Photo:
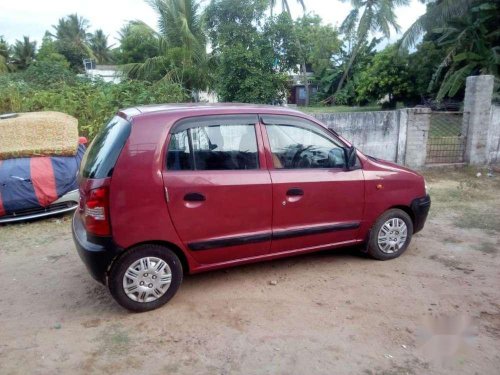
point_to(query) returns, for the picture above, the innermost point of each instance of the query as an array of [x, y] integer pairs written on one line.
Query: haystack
[[38, 134]]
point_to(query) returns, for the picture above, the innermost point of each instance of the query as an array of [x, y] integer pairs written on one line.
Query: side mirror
[[350, 157]]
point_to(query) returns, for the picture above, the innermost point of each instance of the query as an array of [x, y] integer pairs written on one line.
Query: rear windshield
[[101, 156]]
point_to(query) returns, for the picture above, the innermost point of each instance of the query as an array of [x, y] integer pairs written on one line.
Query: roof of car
[[211, 107]]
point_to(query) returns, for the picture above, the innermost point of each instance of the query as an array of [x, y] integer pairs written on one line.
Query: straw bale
[[38, 134]]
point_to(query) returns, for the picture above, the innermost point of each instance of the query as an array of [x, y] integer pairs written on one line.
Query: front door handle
[[194, 197], [295, 192]]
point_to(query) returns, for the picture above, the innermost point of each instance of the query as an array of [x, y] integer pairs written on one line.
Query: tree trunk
[[347, 69], [306, 82]]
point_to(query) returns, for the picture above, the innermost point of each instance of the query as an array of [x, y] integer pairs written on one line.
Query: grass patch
[[479, 219], [452, 240], [456, 195], [452, 264], [488, 248], [459, 188], [339, 109], [115, 340]]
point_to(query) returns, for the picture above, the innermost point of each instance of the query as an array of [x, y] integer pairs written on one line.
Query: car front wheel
[[391, 235], [145, 278]]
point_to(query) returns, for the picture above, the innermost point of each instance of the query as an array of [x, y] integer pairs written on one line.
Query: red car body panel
[[147, 205]]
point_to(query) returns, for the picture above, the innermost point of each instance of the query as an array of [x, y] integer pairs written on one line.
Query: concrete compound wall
[[477, 118], [493, 144], [399, 136], [374, 133]]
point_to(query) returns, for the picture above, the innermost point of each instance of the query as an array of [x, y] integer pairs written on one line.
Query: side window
[[179, 152], [294, 147], [214, 147]]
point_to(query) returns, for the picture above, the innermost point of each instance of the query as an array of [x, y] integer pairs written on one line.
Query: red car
[[173, 189]]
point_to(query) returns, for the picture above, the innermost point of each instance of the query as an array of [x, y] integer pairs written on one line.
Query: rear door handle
[[194, 197], [295, 192]]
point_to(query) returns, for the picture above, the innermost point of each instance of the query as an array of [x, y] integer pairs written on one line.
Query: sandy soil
[[436, 309]]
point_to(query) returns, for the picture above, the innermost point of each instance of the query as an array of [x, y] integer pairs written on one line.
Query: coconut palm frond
[[99, 45], [350, 22], [23, 53], [413, 34], [285, 7], [149, 68], [438, 13]]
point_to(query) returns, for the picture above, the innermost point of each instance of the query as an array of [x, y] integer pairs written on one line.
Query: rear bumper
[[96, 257], [420, 208], [68, 202]]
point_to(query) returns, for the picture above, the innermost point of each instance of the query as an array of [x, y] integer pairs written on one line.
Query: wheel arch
[[171, 246]]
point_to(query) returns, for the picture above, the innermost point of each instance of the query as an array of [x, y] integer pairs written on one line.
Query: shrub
[[55, 88]]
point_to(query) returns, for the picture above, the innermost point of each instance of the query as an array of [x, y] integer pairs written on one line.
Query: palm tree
[[284, 5], [182, 46], [137, 42], [438, 13], [180, 22], [472, 43], [99, 45], [73, 29], [366, 17], [23, 53], [4, 55], [72, 39]]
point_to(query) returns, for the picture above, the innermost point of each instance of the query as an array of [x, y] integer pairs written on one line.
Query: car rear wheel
[[391, 235], [145, 278]]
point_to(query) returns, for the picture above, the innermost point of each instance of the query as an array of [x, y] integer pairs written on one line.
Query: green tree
[[138, 42], [181, 47], [48, 52], [246, 76], [466, 31], [437, 14], [331, 76], [23, 53], [368, 17], [73, 28], [422, 66], [4, 55], [280, 31], [472, 43], [285, 7], [317, 43], [247, 68], [99, 45], [387, 76], [72, 38]]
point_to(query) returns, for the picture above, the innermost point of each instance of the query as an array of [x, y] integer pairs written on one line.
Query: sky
[[34, 17]]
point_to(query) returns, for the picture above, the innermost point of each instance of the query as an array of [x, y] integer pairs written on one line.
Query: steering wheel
[[297, 158]]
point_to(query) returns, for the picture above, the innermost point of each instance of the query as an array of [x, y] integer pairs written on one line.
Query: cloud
[[34, 17]]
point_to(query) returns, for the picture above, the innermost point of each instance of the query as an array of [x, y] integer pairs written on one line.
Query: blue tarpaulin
[[29, 183]]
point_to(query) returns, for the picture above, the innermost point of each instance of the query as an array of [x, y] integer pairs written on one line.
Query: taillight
[[96, 211]]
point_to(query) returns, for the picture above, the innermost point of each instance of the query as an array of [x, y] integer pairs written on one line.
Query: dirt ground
[[434, 310]]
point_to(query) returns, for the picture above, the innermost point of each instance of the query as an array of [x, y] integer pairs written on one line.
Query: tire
[[147, 280], [390, 249]]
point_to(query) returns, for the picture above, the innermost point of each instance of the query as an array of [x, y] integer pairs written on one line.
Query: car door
[[219, 189], [316, 201]]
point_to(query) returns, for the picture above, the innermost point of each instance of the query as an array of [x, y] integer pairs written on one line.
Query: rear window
[[101, 156]]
